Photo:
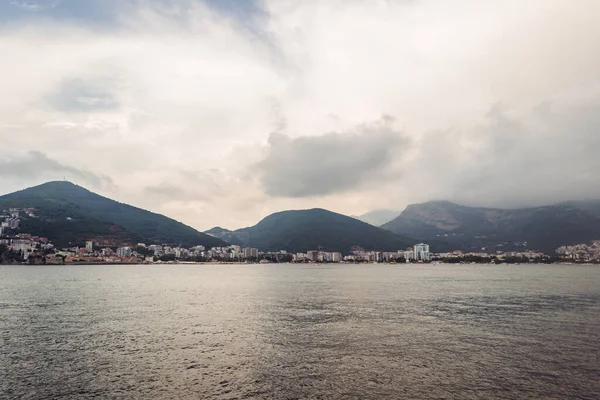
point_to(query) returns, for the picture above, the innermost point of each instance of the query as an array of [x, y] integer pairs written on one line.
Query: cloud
[[36, 165], [36, 5], [541, 155], [330, 163], [80, 95], [494, 102]]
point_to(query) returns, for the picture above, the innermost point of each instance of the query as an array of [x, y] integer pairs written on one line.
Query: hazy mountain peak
[[473, 228], [378, 217]]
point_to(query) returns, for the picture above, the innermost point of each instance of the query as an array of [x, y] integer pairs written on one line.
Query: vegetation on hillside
[[69, 214], [473, 228], [302, 230]]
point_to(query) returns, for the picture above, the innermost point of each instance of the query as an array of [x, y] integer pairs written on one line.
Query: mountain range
[[69, 215], [476, 228], [302, 230]]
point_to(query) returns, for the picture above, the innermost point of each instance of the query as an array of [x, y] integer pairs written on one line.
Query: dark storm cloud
[[331, 163], [36, 165]]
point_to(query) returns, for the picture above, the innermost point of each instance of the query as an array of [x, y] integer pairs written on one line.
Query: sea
[[284, 331]]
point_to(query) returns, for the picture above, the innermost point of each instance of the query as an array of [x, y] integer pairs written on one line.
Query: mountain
[[590, 206], [473, 228], [232, 237], [302, 230], [68, 214], [378, 217]]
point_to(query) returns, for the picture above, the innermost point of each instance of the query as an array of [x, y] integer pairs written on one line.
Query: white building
[[89, 246], [23, 245], [300, 257], [180, 252], [124, 252], [158, 250], [421, 252], [336, 257], [250, 252]]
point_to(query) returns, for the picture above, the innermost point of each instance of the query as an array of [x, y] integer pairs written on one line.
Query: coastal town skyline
[[26, 247]]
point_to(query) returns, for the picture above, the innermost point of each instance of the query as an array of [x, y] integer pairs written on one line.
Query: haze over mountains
[[475, 228], [378, 217]]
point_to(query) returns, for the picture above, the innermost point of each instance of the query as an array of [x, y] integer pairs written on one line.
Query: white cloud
[[189, 89], [36, 5]]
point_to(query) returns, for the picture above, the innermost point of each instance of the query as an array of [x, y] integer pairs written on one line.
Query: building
[[89, 246], [250, 253], [336, 257], [12, 223], [158, 250], [421, 252], [300, 257], [312, 255], [124, 252]]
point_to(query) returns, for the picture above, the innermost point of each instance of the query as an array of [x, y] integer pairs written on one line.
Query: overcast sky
[[221, 112]]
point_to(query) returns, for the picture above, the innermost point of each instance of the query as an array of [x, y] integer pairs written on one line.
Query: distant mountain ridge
[[231, 237], [68, 214], [473, 228], [378, 217], [302, 230]]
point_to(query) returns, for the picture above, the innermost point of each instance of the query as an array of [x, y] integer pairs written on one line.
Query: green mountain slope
[[302, 230], [473, 228], [69, 214]]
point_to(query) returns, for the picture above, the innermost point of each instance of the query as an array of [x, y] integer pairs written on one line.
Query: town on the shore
[[19, 247]]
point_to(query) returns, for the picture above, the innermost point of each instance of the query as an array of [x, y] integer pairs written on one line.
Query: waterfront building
[[250, 252], [312, 255], [124, 252], [421, 252], [336, 257]]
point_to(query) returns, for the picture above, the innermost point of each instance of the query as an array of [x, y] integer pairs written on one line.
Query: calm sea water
[[300, 332]]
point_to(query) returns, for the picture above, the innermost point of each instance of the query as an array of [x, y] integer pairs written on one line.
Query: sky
[[221, 112]]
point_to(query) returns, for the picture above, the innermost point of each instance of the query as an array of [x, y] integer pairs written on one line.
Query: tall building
[[250, 253], [124, 252], [336, 257], [89, 246], [421, 252]]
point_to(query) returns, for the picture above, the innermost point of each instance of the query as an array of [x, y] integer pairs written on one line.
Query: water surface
[[300, 332]]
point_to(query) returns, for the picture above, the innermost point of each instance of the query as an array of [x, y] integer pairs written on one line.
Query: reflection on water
[[296, 332]]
